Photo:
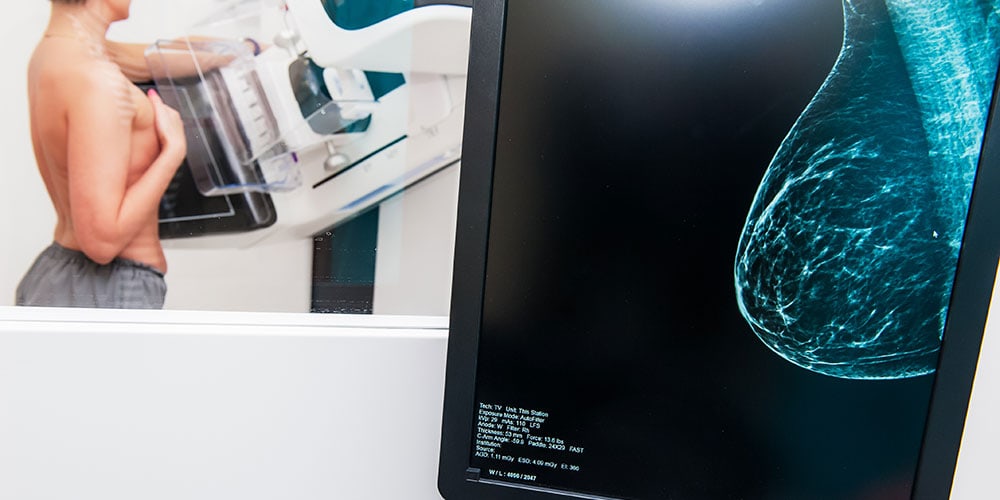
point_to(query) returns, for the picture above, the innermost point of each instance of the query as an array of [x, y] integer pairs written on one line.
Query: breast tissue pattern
[[846, 262]]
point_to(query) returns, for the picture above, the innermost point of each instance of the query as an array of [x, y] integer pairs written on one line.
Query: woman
[[106, 153]]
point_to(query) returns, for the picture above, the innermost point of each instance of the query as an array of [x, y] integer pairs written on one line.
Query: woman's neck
[[86, 21]]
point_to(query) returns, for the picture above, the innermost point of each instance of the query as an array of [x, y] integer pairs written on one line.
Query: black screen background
[[632, 136]]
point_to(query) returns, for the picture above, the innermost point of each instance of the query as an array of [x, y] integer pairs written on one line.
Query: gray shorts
[[63, 277]]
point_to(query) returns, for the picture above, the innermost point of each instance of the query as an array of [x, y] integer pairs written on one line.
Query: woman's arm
[[131, 58], [107, 212]]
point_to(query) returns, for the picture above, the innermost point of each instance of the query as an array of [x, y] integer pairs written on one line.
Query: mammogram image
[[847, 258]]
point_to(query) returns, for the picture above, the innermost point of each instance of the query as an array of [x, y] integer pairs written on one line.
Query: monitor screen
[[709, 248]]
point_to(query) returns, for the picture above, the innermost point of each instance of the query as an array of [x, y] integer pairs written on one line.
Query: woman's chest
[[145, 144], [144, 118]]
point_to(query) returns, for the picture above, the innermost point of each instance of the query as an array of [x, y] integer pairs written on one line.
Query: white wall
[[978, 461], [27, 217]]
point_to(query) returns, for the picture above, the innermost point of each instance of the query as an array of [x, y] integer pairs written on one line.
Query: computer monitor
[[721, 248]]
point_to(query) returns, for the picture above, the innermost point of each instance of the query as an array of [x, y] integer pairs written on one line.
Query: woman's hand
[[169, 129]]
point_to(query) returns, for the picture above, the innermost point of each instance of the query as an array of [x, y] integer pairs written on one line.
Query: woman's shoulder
[[72, 66]]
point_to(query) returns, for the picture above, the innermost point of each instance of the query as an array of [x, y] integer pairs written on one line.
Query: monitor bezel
[[474, 200], [966, 321]]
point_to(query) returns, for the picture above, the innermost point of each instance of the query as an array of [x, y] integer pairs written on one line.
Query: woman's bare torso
[[50, 93]]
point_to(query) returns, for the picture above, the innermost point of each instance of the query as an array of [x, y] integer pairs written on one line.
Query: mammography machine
[[301, 114]]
